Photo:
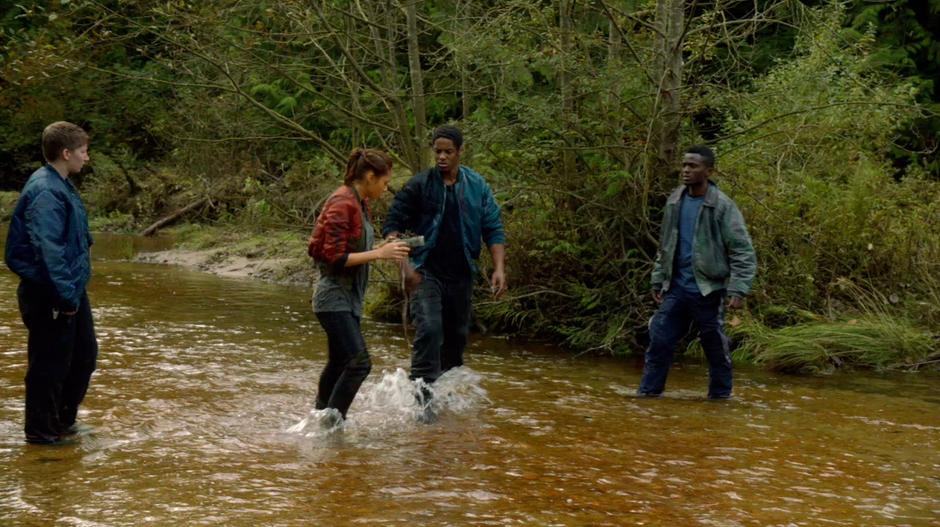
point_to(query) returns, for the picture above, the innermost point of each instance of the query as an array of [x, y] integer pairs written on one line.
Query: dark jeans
[[441, 311], [679, 310], [61, 354], [348, 363]]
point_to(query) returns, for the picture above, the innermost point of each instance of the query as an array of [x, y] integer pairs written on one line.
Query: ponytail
[[362, 160]]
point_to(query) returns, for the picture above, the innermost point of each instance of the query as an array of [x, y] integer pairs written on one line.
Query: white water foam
[[394, 401]]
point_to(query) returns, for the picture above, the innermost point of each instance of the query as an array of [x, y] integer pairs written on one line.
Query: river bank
[[273, 256], [222, 262], [874, 338]]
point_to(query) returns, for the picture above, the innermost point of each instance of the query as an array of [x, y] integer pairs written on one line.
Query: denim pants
[[441, 311], [676, 315], [62, 353], [348, 363]]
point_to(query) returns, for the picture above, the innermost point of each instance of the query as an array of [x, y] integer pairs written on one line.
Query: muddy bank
[[221, 262]]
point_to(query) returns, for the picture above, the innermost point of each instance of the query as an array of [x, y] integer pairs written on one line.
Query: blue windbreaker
[[419, 207], [48, 241]]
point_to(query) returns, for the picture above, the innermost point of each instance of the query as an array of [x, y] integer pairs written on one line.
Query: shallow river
[[199, 414]]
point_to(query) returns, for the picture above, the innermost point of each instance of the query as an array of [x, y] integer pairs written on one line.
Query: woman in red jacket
[[341, 245]]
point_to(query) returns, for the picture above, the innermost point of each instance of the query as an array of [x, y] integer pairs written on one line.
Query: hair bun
[[362, 159]]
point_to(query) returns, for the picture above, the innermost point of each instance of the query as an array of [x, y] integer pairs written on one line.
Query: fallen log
[[166, 220]]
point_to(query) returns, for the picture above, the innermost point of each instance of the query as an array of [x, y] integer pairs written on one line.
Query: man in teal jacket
[[705, 255], [453, 208], [48, 248]]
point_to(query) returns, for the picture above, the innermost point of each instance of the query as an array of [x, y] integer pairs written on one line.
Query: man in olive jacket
[[48, 248], [705, 255]]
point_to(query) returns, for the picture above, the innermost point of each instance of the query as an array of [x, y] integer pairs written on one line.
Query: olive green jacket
[[722, 254]]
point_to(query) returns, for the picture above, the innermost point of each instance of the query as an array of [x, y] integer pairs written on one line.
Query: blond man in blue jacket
[[48, 248]]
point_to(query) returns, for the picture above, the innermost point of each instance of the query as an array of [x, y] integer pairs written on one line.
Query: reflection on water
[[200, 414]]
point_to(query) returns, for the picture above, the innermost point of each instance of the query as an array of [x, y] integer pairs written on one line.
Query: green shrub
[[7, 204]]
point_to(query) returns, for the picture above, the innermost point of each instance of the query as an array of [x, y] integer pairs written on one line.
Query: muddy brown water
[[200, 414]]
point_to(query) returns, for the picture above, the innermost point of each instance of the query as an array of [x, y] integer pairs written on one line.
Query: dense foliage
[[824, 120]]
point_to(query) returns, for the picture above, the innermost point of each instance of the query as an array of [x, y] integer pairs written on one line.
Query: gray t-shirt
[[345, 291]]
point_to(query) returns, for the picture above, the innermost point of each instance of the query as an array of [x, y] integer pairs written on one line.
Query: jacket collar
[[711, 195], [351, 191], [355, 193], [56, 176], [53, 172], [461, 174]]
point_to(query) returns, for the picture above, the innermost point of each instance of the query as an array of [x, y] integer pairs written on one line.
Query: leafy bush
[[808, 165]]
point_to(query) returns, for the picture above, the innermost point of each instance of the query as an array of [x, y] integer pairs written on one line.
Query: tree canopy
[[824, 117]]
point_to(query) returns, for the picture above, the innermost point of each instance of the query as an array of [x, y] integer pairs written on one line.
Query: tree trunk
[[463, 11], [133, 188], [356, 132], [666, 118], [417, 84], [611, 110], [411, 152], [613, 43], [166, 220], [564, 86]]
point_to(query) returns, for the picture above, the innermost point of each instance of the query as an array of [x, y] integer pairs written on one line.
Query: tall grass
[[877, 343], [928, 283], [876, 338]]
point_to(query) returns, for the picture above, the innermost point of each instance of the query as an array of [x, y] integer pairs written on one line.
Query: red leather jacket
[[338, 231]]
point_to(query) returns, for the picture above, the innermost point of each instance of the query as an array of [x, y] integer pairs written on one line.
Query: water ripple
[[200, 414]]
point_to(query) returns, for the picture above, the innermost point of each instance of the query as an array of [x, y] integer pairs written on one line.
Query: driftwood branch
[[166, 220]]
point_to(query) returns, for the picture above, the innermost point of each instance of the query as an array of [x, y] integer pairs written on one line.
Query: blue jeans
[[676, 315], [441, 312], [348, 363]]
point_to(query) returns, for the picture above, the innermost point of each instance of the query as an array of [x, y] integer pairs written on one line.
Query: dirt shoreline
[[289, 271]]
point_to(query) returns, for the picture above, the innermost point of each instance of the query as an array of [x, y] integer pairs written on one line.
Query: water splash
[[395, 401], [318, 423], [458, 391]]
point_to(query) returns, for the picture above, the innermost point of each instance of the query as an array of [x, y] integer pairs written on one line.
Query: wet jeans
[[348, 363], [441, 311], [62, 352], [676, 315]]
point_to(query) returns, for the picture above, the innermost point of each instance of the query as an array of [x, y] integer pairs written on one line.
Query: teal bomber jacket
[[723, 256]]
